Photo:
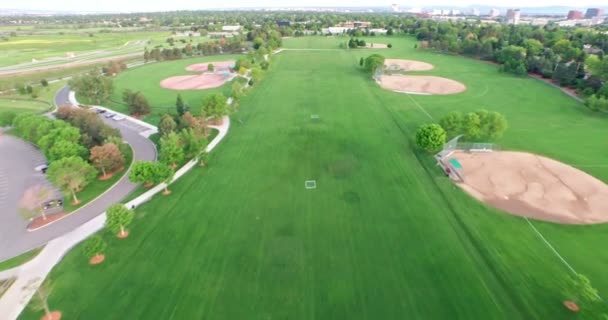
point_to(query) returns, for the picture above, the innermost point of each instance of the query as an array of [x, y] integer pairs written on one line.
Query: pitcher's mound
[[407, 65], [421, 84], [532, 186]]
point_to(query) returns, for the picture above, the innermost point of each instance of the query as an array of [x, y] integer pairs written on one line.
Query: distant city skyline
[[158, 5]]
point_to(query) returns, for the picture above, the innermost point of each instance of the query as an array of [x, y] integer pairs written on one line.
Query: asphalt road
[[19, 240]]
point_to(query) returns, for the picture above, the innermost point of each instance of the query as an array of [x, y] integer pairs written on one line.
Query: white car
[[42, 168], [118, 117], [109, 115]]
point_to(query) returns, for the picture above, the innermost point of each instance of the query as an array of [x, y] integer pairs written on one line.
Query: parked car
[[53, 204], [42, 168], [109, 115], [118, 117]]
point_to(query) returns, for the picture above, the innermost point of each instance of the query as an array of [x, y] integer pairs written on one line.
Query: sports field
[[23, 48], [147, 80], [383, 236]]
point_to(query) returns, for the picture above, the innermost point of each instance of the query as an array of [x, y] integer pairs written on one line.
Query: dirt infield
[[421, 84], [219, 66], [407, 65], [198, 82], [206, 80], [376, 46], [533, 186]]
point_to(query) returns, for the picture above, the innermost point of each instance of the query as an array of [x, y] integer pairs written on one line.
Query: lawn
[[24, 48], [383, 236], [19, 260], [23, 105], [147, 80]]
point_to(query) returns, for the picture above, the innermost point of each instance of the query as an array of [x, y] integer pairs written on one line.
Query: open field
[[147, 79], [383, 236], [22, 49], [14, 102]]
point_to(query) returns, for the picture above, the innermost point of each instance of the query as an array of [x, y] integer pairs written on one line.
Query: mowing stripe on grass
[[550, 246], [419, 106]]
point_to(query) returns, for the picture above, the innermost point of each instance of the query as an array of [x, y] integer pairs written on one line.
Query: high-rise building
[[513, 16], [594, 12], [494, 13], [575, 15]]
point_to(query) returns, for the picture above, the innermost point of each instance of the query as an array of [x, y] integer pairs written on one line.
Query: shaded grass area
[[384, 236], [96, 187], [19, 260], [23, 105]]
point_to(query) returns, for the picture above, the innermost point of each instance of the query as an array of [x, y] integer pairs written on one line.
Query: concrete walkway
[[31, 274]]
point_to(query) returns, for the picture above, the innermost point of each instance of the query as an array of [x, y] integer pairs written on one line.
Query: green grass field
[[24, 48], [384, 235], [147, 80]]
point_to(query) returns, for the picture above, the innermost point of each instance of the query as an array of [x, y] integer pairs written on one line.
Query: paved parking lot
[[17, 174]]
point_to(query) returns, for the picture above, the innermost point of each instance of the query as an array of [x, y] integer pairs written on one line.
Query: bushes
[[596, 103], [373, 62], [475, 126], [430, 137]]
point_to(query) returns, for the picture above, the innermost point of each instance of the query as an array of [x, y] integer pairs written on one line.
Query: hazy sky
[[161, 5]]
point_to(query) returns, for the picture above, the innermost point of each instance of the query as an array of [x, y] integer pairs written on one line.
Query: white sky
[[164, 5]]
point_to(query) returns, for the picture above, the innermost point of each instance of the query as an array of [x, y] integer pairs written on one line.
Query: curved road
[[22, 241]]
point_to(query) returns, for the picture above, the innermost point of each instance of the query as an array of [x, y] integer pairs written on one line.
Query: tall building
[[513, 16], [494, 13], [575, 15], [594, 12]]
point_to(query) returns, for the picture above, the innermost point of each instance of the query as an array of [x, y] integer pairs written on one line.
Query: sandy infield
[[206, 80], [407, 65], [533, 186], [421, 84], [376, 46], [219, 66]]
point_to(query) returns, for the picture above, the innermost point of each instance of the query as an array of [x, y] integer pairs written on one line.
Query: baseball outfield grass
[[383, 236], [147, 80]]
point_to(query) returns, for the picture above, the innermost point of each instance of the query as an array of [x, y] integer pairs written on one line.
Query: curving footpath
[[30, 275]]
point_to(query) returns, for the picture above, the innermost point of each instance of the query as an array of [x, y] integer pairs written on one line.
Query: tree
[[64, 134], [471, 125], [361, 62], [180, 106], [203, 158], [192, 143], [164, 173], [258, 43], [136, 102], [373, 62], [118, 217], [430, 137], [210, 67], [452, 124], [32, 202], [198, 124], [107, 158], [146, 55], [71, 174], [94, 247], [142, 172], [44, 83], [166, 125], [40, 301], [95, 87], [578, 289], [215, 106], [65, 149], [7, 118], [93, 130], [171, 152]]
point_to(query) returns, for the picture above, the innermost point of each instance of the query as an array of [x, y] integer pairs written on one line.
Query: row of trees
[[571, 57], [67, 146], [95, 87], [479, 126], [231, 45]]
